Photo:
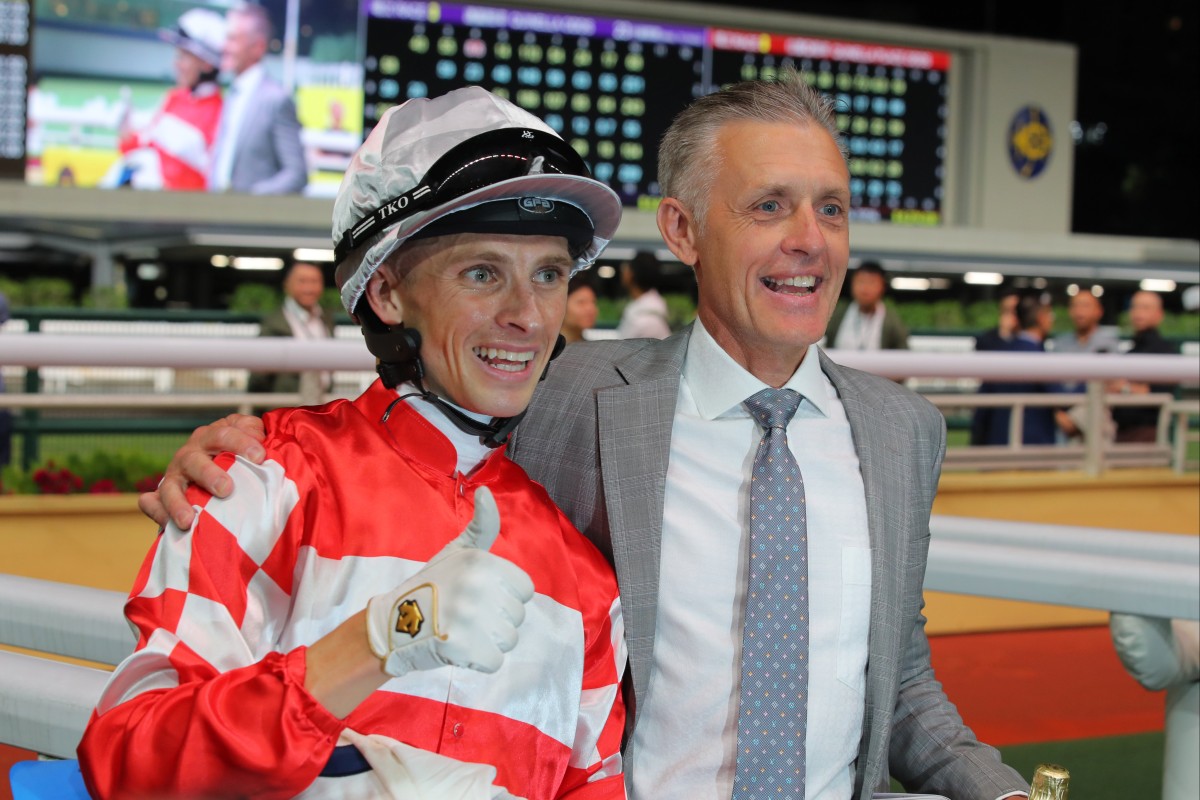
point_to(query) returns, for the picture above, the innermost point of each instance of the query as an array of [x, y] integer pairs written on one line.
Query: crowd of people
[[1025, 324]]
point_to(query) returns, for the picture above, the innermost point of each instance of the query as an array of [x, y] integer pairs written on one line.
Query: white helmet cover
[[399, 152]]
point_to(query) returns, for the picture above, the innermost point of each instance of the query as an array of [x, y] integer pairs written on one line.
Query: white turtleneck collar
[[471, 451]]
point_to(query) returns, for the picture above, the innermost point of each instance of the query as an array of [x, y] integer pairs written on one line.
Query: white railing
[[47, 702], [1134, 572], [87, 377], [1092, 454], [286, 354], [348, 356]]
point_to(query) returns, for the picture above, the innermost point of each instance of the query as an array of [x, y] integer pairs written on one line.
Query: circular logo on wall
[[1030, 141]]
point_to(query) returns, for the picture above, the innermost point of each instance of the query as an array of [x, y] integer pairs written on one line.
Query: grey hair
[[260, 20], [687, 156]]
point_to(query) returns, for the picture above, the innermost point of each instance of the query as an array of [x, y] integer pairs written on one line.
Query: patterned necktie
[[773, 707]]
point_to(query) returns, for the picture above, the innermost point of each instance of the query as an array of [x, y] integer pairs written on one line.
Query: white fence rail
[[45, 704], [347, 357]]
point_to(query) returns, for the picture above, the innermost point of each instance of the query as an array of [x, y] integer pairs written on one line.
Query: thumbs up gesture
[[462, 608]]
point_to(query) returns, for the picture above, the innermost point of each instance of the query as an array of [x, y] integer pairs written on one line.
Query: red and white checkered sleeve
[[595, 770], [204, 704]]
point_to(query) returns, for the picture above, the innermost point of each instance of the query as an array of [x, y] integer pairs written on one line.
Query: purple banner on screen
[[538, 22]]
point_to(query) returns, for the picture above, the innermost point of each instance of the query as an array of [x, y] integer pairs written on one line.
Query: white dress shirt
[[684, 745], [644, 317], [307, 324], [860, 331], [233, 112]]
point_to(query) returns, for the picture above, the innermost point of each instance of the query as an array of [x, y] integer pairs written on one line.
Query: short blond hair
[[687, 156]]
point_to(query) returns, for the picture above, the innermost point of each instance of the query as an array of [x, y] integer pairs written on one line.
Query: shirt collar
[[719, 384], [423, 433], [248, 79], [470, 451], [300, 311]]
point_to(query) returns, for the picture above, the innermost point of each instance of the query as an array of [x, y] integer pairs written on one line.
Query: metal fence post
[[30, 444], [1094, 437]]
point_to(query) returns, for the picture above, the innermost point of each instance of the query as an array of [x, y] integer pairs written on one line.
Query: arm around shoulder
[[193, 464]]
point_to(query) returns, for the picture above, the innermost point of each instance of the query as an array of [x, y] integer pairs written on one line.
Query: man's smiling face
[[772, 252]]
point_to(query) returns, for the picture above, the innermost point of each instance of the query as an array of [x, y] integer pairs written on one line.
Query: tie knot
[[773, 408]]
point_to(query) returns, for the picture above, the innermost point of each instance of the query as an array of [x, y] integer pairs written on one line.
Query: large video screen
[[102, 76], [609, 85]]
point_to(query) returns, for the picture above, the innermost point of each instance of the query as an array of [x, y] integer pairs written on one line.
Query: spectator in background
[[1086, 312], [6, 417], [173, 151], [1140, 423], [645, 315], [1035, 319], [258, 148], [300, 316], [581, 308], [999, 337], [867, 323]]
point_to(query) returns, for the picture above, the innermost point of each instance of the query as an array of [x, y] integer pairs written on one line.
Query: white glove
[[463, 608], [413, 774]]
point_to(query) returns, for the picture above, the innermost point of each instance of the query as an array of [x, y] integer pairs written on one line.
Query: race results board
[[612, 86]]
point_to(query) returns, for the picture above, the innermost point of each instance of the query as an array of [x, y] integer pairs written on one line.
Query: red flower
[[104, 486], [149, 483], [57, 481]]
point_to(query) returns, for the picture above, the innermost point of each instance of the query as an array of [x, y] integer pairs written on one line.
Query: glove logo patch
[[409, 618]]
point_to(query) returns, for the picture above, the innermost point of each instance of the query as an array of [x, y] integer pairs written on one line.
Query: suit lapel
[[634, 426], [887, 489]]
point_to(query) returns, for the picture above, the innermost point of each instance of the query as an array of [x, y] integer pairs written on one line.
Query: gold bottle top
[[1049, 783]]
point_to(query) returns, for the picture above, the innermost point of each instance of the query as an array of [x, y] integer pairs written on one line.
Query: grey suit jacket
[[269, 156], [598, 435]]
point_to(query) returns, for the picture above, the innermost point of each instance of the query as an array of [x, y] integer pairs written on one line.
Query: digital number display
[[891, 105], [15, 23], [612, 86], [609, 87]]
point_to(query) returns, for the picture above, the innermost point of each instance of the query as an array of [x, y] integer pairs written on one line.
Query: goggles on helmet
[[480, 161]]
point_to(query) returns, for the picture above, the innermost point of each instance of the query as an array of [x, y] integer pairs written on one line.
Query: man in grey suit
[[647, 447], [258, 148]]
